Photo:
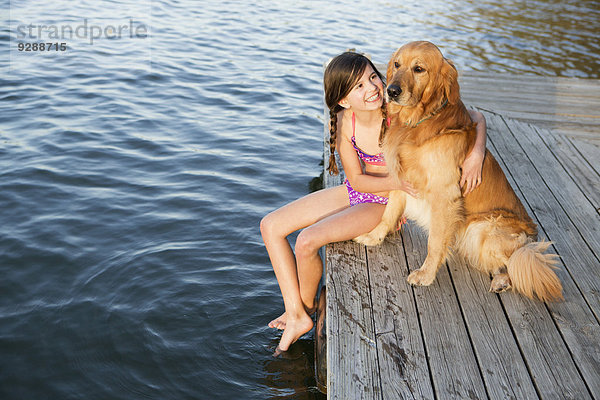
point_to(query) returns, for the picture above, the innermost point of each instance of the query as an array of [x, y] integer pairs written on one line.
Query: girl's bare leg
[[299, 214], [327, 223], [343, 225]]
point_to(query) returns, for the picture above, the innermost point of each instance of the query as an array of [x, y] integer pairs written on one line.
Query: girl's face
[[367, 94]]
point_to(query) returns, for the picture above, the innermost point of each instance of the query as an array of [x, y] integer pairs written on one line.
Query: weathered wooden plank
[[558, 124], [553, 104], [579, 170], [573, 116], [548, 121], [589, 86], [590, 150], [554, 372], [453, 366], [563, 105], [555, 368], [352, 366], [587, 132], [557, 92], [553, 99], [568, 198], [502, 366], [402, 359]]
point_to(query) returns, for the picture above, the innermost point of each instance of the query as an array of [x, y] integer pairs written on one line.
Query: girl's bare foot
[[279, 322], [294, 329]]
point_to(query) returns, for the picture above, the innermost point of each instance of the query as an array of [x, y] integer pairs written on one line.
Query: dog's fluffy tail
[[531, 272]]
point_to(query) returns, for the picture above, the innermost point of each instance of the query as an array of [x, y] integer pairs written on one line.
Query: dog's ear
[[390, 68], [435, 91], [450, 79]]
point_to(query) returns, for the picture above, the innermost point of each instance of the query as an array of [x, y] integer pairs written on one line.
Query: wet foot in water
[[294, 329]]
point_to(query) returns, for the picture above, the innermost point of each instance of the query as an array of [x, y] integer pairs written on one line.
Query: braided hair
[[384, 123], [341, 75]]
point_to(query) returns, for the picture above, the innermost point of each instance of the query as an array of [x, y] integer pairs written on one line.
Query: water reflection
[[292, 374], [544, 37]]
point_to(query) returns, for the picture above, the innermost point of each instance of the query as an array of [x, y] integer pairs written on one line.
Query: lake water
[[137, 163]]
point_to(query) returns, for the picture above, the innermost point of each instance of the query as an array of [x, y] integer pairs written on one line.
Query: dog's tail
[[531, 272]]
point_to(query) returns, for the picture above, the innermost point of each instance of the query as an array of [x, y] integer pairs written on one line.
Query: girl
[[354, 96]]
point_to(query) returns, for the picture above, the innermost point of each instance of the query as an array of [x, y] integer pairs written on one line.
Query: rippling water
[[135, 171]]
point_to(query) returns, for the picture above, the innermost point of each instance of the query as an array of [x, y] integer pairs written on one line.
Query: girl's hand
[[471, 171], [471, 168], [407, 187]]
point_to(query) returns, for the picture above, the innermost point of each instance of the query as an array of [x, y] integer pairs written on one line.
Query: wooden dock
[[388, 340]]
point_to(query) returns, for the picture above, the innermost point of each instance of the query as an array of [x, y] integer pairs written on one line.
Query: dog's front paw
[[369, 239], [421, 277], [373, 238]]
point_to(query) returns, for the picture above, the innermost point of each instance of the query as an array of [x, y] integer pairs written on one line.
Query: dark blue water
[[135, 171]]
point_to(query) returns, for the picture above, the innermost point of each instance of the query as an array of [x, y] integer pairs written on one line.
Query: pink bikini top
[[367, 158]]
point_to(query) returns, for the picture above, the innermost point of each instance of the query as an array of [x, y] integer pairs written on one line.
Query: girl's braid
[[332, 168], [384, 123]]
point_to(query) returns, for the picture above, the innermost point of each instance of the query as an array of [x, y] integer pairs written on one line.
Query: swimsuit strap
[[376, 159]]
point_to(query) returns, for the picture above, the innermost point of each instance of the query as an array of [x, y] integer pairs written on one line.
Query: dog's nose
[[394, 91]]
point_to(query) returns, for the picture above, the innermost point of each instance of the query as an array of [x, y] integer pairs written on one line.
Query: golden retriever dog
[[429, 136]]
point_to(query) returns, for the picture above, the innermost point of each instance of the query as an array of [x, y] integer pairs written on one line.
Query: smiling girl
[[354, 93]]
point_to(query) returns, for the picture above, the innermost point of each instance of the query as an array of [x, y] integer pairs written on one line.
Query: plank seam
[[416, 303], [462, 314], [331, 287], [537, 131], [567, 170], [582, 156], [373, 324], [512, 329]]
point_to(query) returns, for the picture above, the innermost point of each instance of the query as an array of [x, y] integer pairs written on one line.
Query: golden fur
[[431, 133]]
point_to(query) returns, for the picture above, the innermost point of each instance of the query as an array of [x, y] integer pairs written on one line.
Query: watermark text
[[85, 30]]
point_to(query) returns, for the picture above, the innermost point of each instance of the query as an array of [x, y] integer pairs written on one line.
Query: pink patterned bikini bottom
[[359, 197]]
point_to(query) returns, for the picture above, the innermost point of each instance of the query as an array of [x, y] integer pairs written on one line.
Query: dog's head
[[418, 74]]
